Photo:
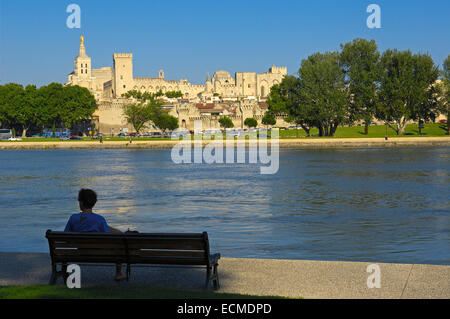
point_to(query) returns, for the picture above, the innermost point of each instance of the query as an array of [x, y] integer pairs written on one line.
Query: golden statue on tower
[[82, 40]]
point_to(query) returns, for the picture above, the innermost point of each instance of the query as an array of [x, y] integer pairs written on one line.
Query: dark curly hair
[[87, 197]]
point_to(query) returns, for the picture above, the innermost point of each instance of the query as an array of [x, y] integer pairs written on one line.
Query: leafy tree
[[137, 114], [321, 94], [251, 122], [12, 99], [164, 121], [284, 100], [360, 61], [444, 106], [143, 96], [49, 100], [425, 102], [226, 122], [268, 119], [174, 94], [407, 90], [78, 105]]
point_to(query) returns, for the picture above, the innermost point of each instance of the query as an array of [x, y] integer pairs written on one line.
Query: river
[[367, 204]]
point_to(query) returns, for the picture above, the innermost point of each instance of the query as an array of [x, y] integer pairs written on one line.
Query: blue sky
[[187, 39]]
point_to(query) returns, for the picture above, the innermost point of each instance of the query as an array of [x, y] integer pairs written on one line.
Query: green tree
[[137, 114], [407, 90], [174, 94], [284, 100], [226, 122], [268, 119], [78, 105], [321, 95], [12, 98], [165, 121], [425, 102], [18, 106], [251, 122], [49, 99], [144, 96], [361, 63], [444, 106]]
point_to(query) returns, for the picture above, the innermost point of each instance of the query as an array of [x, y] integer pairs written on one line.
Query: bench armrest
[[214, 259]]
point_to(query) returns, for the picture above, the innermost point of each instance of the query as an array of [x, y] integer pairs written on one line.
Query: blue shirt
[[87, 222]]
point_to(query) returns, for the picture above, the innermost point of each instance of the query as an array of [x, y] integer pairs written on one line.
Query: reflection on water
[[385, 205]]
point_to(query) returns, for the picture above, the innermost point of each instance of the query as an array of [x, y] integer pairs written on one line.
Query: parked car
[[121, 134], [75, 137], [443, 121], [5, 134], [14, 139]]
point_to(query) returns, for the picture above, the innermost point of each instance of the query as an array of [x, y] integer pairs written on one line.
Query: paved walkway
[[272, 277]]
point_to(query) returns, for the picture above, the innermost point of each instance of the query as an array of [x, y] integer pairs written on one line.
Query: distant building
[[238, 97]]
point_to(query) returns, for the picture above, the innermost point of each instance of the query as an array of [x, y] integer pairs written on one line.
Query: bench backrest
[[133, 248]]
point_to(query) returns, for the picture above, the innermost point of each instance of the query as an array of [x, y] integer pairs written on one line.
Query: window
[[81, 70], [124, 86], [121, 77], [249, 85]]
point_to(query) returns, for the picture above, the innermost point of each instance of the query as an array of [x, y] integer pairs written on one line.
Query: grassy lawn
[[432, 129], [130, 292]]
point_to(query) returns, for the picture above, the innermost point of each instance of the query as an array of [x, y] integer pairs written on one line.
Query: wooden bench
[[191, 250]]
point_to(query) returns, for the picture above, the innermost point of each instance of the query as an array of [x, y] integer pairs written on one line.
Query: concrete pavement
[[271, 277]]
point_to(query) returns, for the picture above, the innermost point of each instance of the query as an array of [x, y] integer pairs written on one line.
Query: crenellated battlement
[[123, 55]]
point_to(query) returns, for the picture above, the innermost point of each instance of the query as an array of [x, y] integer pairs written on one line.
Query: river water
[[375, 204]]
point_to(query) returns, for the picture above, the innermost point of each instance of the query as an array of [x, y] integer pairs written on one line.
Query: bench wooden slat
[[94, 252], [185, 253], [91, 244], [187, 244], [167, 261], [89, 259]]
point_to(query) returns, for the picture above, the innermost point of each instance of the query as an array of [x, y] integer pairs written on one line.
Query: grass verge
[[130, 292]]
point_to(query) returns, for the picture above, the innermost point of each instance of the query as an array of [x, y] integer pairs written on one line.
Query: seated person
[[87, 221]]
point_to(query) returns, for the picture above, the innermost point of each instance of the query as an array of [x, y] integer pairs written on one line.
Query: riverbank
[[283, 143], [262, 277]]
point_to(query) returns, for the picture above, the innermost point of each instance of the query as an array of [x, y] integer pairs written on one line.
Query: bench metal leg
[[208, 277], [54, 275], [216, 282], [128, 271], [214, 277]]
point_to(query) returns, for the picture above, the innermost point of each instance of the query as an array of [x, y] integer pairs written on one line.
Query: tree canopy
[[360, 61], [406, 90], [357, 84], [226, 122], [251, 122], [50, 105]]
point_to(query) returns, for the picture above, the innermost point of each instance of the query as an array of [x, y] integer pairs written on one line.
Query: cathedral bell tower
[[82, 62]]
